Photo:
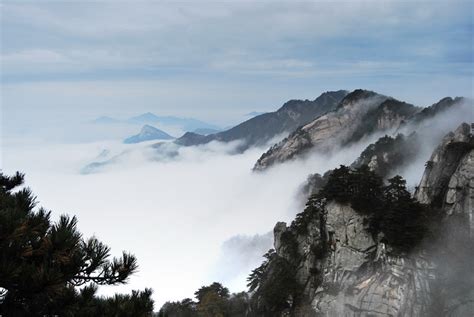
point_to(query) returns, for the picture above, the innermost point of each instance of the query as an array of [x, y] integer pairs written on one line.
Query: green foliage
[[138, 303], [274, 285], [215, 287], [404, 222], [184, 308], [337, 187], [212, 301], [314, 207], [390, 209], [41, 262]]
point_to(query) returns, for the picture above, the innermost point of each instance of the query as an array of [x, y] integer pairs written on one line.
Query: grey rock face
[[359, 113], [443, 163], [351, 121], [392, 286], [359, 275]]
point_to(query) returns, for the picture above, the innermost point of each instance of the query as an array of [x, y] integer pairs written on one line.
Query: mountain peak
[[260, 129], [357, 95], [149, 128], [148, 133]]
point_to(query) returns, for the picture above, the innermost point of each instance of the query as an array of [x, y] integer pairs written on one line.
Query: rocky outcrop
[[358, 275], [346, 125], [344, 269], [436, 108], [440, 169], [448, 186], [359, 114]]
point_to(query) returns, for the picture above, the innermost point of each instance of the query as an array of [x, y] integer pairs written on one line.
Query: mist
[[191, 215], [181, 217], [173, 215], [430, 132]]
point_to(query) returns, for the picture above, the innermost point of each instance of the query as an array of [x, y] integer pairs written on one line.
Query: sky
[[215, 61], [65, 63]]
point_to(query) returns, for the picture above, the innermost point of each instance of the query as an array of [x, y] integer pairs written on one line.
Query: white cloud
[[176, 214], [173, 215]]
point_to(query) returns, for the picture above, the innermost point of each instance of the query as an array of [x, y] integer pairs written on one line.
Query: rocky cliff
[[360, 113], [342, 266]]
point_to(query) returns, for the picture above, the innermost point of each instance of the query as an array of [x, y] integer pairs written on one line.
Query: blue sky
[[218, 60]]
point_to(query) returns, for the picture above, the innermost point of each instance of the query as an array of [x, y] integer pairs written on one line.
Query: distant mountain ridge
[[262, 128], [206, 131], [105, 120], [186, 124], [148, 133]]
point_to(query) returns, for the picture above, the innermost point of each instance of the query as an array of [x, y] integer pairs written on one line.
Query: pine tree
[[41, 262]]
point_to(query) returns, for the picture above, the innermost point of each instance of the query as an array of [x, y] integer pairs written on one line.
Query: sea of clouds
[[199, 217], [196, 216]]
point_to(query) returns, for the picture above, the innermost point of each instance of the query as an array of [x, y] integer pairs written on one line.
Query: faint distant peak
[[148, 133], [253, 114], [105, 120], [147, 117]]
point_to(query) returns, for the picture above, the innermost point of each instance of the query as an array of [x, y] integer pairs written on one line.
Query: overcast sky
[[64, 62], [215, 61]]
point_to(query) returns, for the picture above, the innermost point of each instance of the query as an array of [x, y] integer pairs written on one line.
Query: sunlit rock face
[[346, 271], [357, 276], [359, 114]]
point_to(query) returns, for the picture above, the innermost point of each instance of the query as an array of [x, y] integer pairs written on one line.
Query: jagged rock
[[433, 110], [442, 164], [359, 113], [356, 277], [459, 196], [344, 270], [348, 124]]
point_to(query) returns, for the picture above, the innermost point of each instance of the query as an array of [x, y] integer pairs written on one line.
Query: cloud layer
[[219, 60]]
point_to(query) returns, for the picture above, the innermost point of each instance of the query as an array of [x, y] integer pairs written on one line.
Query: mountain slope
[[262, 128], [148, 133], [385, 157], [206, 131], [340, 257], [361, 113]]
